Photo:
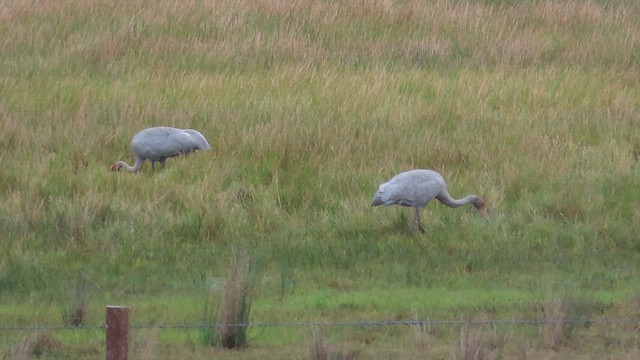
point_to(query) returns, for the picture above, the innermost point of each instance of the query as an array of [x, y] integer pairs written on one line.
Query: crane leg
[[417, 220]]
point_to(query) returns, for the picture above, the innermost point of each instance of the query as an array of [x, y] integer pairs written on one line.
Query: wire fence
[[363, 324]]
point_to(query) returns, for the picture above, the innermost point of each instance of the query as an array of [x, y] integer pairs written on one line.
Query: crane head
[[480, 205], [115, 167]]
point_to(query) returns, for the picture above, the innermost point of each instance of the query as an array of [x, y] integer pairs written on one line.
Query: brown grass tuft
[[421, 337], [320, 349], [233, 313], [479, 342], [565, 318], [43, 344], [148, 347]]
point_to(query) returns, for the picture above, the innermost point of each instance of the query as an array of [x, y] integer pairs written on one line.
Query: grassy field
[[309, 106]]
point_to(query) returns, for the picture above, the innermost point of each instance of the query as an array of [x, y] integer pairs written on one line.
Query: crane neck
[[135, 168], [446, 199]]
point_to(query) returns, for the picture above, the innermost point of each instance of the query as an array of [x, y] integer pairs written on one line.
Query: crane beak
[[377, 201], [485, 214]]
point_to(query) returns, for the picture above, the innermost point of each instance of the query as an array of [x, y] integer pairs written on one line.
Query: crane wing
[[412, 188], [162, 142]]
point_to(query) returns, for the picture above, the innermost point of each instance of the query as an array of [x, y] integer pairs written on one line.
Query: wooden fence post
[[117, 333]]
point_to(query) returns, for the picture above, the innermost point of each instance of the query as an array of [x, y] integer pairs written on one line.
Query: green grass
[[309, 106]]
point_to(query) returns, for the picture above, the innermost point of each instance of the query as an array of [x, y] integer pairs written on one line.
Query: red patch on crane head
[[115, 167], [481, 206]]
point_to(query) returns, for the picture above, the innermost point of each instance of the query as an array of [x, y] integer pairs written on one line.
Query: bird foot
[[412, 230]]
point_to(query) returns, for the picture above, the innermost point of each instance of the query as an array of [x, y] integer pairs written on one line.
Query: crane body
[[156, 144], [415, 188]]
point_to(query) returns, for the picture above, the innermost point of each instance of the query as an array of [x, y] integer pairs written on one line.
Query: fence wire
[[363, 324]]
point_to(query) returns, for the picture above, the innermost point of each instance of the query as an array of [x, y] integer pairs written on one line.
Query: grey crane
[[156, 144], [415, 188]]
